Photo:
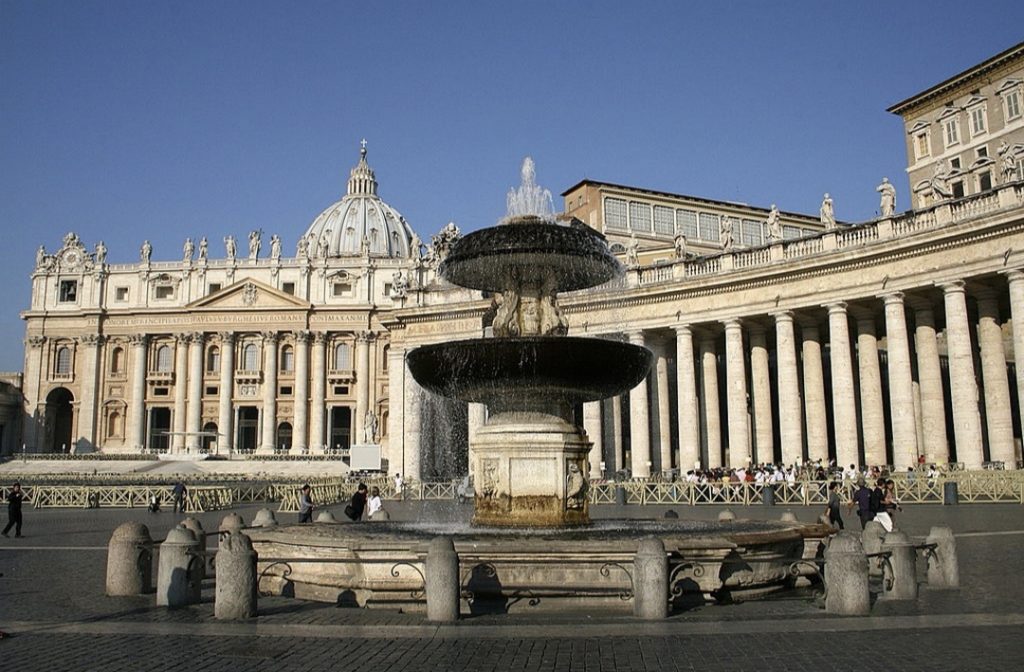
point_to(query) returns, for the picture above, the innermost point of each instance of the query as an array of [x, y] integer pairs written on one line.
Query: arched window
[[250, 355], [63, 367], [287, 359], [163, 358], [117, 360], [342, 357], [385, 351], [115, 425], [213, 358]]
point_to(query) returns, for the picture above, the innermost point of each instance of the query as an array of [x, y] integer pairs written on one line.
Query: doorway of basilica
[[248, 428], [341, 428], [59, 420]]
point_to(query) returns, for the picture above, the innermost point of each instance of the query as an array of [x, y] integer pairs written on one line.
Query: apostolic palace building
[[778, 337]]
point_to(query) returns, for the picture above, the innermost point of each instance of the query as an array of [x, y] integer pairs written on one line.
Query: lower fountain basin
[[532, 368]]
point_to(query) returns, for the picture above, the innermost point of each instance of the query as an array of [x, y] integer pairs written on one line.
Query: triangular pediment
[[919, 126], [249, 294]]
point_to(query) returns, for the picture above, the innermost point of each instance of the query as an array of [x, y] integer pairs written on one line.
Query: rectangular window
[[751, 233], [687, 220], [709, 227], [161, 391], [639, 217], [288, 288], [985, 181], [164, 292], [214, 287], [664, 221], [790, 232], [977, 120], [340, 390], [211, 390], [982, 151], [955, 163], [1012, 105], [958, 189], [341, 289], [952, 132], [615, 214], [68, 291], [285, 391], [120, 294], [921, 149]]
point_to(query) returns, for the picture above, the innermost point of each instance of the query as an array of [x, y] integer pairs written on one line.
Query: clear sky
[[126, 120]]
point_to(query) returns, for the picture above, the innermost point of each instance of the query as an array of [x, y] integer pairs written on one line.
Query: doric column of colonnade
[[688, 412], [617, 440], [790, 405], [664, 410], [639, 422], [935, 447], [592, 426], [998, 417], [844, 407], [300, 430], [760, 379], [1015, 280], [901, 384], [966, 417], [736, 395], [712, 415], [872, 406], [814, 392]]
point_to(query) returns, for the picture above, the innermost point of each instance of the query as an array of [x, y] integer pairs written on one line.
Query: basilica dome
[[360, 220]]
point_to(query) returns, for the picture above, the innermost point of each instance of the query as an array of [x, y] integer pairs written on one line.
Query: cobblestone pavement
[[52, 605]]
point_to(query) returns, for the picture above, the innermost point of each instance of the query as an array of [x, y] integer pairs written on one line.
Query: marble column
[[964, 387], [998, 416], [712, 416], [269, 413], [317, 408], [844, 405], [413, 418], [194, 422], [137, 411], [88, 394], [393, 451], [934, 445], [300, 423], [363, 401], [791, 431], [664, 409], [688, 412], [617, 440], [180, 392], [901, 384], [814, 394], [872, 406], [761, 384], [225, 407], [476, 419], [592, 426], [639, 422], [736, 395], [1015, 281]]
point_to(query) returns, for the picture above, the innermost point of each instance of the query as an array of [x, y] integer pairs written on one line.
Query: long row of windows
[[638, 217], [977, 120]]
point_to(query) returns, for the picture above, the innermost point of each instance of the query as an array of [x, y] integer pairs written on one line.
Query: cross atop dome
[[361, 179], [362, 145]]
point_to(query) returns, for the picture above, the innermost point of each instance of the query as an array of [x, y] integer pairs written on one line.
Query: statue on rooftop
[[101, 253], [725, 233], [275, 247], [679, 242], [230, 247], [887, 206], [146, 252], [203, 249], [827, 213], [772, 225], [254, 244], [188, 250]]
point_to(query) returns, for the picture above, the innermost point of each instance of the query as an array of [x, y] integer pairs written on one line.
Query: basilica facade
[[778, 337]]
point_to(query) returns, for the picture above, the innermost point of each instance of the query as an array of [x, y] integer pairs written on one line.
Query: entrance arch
[[209, 439], [59, 420], [284, 437], [341, 428]]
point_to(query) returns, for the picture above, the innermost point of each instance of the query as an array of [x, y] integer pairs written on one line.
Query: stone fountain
[[530, 458]]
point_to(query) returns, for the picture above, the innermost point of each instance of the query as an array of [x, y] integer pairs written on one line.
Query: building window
[[384, 353], [341, 289], [214, 287], [791, 232], [161, 391], [68, 291], [982, 151], [63, 364], [978, 125], [250, 357], [342, 357], [213, 358], [985, 181], [115, 425], [952, 131], [117, 361], [120, 294], [288, 288], [639, 217], [340, 390], [921, 148], [615, 214], [664, 221], [163, 292], [163, 358], [751, 233], [211, 390], [708, 227], [287, 359], [285, 391], [958, 189], [1012, 104], [687, 223]]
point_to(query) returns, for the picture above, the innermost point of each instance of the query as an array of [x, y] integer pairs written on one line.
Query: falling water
[[529, 198]]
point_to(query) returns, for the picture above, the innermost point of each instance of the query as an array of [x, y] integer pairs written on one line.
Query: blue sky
[[161, 120]]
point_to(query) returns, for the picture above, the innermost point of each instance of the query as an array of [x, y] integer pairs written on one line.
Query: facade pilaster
[[34, 375], [712, 414], [300, 429], [413, 419], [639, 422], [592, 426], [194, 421], [760, 377], [872, 406], [393, 451], [998, 416], [814, 393], [363, 401], [664, 409], [791, 432], [318, 395], [89, 392], [225, 407], [736, 396], [901, 384], [137, 411], [964, 386], [180, 392], [688, 412], [269, 412]]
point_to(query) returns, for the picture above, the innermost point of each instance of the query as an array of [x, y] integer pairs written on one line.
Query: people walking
[[354, 510], [180, 492], [374, 504], [14, 499], [833, 510], [305, 504], [862, 500]]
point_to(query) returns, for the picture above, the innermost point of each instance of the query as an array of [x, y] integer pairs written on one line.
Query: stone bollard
[[177, 581], [726, 516], [650, 580], [620, 496], [903, 560], [789, 517], [872, 537], [442, 581], [204, 567], [130, 560], [264, 518], [943, 567], [326, 517], [846, 576], [231, 523], [236, 578]]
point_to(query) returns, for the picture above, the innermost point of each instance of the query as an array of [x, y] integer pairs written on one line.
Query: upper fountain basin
[[533, 368], [532, 250]]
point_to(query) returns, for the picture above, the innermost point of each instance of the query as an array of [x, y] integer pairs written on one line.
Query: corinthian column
[[300, 431], [317, 409], [712, 415], [790, 407], [901, 384], [639, 422], [929, 374], [90, 382], [814, 394], [137, 411], [413, 417], [225, 408], [686, 398], [195, 392], [363, 401], [964, 386], [736, 395], [872, 408], [760, 376], [664, 409], [1015, 280], [396, 409], [996, 384], [269, 393], [180, 392], [617, 440]]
